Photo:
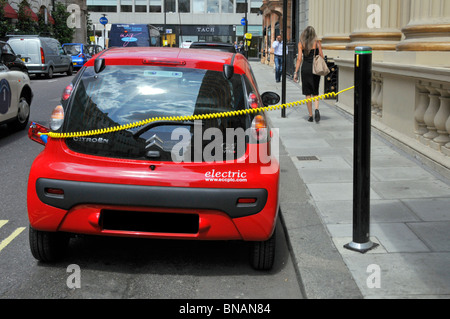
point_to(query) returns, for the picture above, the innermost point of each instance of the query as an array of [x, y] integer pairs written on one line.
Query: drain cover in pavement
[[307, 158]]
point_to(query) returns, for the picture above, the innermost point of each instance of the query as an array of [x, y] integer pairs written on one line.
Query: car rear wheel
[[47, 246], [50, 73], [262, 253], [23, 115], [70, 70]]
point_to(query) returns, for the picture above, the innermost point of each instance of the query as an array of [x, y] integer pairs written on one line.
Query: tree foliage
[[5, 24], [62, 32], [26, 25]]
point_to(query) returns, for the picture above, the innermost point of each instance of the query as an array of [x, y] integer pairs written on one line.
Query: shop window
[[184, 6], [199, 6], [255, 6], [126, 6], [102, 5], [241, 6], [227, 6], [140, 5], [212, 6], [155, 6], [170, 6]]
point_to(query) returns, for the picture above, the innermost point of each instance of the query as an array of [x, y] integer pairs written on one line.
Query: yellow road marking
[[10, 238], [2, 222]]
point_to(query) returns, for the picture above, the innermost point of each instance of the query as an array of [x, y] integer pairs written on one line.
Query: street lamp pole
[[283, 83]]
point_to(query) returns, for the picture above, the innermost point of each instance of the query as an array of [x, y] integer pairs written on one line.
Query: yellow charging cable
[[192, 117]]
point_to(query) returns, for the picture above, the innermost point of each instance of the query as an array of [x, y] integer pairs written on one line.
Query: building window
[[155, 6], [241, 6], [184, 6], [170, 6], [126, 5], [227, 6], [212, 6], [255, 6], [140, 5], [102, 5], [199, 6]]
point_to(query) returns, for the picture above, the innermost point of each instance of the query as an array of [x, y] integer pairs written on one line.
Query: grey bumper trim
[[222, 199]]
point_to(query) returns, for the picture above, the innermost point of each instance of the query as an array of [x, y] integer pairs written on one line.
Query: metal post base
[[362, 248]]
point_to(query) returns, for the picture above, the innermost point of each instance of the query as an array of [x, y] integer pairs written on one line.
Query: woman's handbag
[[320, 67]]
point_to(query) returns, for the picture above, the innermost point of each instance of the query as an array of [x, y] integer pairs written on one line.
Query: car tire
[[50, 73], [23, 116], [47, 246], [70, 70], [262, 253]]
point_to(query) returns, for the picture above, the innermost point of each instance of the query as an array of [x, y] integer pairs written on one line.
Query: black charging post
[[361, 151]]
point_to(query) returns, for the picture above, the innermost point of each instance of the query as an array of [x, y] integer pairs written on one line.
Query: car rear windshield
[[121, 95], [72, 49]]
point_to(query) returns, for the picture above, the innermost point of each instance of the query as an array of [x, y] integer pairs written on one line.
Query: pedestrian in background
[[277, 46], [241, 47], [308, 47]]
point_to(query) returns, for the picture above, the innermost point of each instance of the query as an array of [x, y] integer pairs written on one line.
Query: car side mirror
[[99, 65], [270, 98]]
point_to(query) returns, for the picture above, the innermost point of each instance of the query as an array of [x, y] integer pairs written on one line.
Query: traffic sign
[[243, 21], [103, 20]]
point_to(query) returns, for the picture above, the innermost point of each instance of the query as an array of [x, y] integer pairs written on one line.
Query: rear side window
[[121, 95]]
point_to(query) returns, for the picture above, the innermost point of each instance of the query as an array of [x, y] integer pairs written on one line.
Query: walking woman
[[309, 46]]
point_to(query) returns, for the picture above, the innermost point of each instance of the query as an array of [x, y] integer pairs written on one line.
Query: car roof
[[181, 57]]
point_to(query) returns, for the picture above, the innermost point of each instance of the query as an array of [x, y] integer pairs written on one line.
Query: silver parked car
[[42, 55]]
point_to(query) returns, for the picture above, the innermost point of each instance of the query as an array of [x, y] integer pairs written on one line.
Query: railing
[[432, 116]]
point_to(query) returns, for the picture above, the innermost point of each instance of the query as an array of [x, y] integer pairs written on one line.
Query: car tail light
[[42, 56], [57, 118], [67, 92], [34, 133], [259, 129], [253, 101]]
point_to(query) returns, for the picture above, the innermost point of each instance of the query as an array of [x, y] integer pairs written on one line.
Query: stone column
[[428, 28], [317, 16], [383, 37], [337, 26]]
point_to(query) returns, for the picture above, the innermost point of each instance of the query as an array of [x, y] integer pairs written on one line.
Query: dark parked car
[[11, 59]]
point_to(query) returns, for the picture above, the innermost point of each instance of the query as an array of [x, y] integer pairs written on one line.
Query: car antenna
[[228, 69]]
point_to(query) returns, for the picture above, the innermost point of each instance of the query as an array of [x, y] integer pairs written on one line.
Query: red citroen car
[[187, 174]]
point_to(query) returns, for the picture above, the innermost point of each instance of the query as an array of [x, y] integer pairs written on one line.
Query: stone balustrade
[[411, 64]]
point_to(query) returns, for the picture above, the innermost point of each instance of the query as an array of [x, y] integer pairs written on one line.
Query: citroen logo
[[154, 141]]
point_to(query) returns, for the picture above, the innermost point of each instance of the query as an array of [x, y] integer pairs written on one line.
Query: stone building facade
[[77, 9], [411, 64]]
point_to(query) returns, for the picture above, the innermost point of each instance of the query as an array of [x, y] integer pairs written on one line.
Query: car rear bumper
[[153, 212], [37, 68], [78, 193], [82, 194]]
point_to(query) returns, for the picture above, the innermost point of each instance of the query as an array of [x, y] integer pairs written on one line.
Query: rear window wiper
[[149, 126]]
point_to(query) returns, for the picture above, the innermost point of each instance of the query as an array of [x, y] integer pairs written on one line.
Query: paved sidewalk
[[410, 208]]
